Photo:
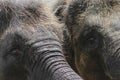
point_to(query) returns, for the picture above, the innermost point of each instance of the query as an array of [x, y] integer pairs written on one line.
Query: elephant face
[[29, 45], [94, 28]]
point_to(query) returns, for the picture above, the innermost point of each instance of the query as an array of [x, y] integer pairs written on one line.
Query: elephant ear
[[61, 13], [67, 46]]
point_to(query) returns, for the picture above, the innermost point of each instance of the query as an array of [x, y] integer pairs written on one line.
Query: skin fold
[[91, 38], [30, 47]]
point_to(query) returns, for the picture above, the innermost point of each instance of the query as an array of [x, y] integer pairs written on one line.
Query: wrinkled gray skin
[[93, 30], [29, 46]]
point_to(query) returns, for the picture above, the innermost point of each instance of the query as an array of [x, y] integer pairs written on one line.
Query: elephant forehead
[[104, 20]]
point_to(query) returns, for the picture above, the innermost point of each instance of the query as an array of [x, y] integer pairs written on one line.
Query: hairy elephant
[[30, 48], [92, 33]]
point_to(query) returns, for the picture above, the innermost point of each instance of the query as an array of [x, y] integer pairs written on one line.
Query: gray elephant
[[92, 36], [30, 48]]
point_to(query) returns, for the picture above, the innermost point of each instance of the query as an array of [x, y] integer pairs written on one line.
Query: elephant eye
[[13, 55], [91, 40], [15, 52]]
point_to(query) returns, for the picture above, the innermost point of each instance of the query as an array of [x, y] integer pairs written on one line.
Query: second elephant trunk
[[111, 54]]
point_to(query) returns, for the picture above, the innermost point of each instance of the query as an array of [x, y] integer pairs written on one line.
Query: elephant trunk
[[49, 63], [111, 54]]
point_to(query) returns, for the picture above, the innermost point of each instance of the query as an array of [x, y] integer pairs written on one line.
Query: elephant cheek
[[89, 68], [85, 66], [80, 63]]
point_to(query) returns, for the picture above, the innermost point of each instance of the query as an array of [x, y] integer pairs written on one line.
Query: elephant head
[[92, 30], [30, 48]]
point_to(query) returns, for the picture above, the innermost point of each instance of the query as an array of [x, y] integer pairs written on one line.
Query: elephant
[[30, 45], [91, 38]]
